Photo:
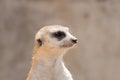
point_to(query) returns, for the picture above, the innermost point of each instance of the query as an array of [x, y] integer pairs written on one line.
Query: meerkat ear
[[40, 42], [38, 38]]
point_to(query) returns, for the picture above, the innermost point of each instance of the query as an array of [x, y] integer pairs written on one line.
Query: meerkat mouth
[[67, 45]]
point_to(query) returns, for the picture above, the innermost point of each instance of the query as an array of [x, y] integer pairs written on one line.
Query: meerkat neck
[[46, 55], [49, 70], [44, 64], [46, 59]]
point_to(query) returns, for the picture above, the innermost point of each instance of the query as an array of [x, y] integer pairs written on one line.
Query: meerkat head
[[55, 37]]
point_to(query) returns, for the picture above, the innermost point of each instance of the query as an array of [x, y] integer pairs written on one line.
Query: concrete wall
[[96, 24]]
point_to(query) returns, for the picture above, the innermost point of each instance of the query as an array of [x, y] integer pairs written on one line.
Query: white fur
[[52, 70]]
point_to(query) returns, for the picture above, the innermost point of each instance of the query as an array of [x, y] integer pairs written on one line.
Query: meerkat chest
[[55, 72], [61, 72], [43, 73]]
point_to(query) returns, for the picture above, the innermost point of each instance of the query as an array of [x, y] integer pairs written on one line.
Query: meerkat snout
[[74, 41]]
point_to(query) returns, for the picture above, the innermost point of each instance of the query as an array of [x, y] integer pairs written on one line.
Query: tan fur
[[49, 57]]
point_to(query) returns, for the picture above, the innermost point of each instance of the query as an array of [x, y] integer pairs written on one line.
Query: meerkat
[[51, 43]]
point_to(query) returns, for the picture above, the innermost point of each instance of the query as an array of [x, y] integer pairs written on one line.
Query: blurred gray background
[[96, 24]]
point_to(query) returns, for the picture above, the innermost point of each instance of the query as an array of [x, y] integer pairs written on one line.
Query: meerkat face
[[55, 37]]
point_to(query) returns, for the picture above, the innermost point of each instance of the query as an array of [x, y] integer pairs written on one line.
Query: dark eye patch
[[59, 35]]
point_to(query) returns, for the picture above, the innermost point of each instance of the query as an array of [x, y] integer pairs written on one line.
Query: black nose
[[74, 40]]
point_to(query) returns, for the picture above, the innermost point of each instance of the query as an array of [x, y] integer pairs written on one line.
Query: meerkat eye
[[59, 35]]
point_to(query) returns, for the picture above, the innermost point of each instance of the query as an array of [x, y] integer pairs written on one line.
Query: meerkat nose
[[74, 41]]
